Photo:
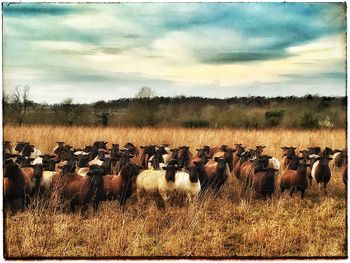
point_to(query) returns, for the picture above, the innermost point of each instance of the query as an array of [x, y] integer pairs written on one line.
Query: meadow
[[220, 225]]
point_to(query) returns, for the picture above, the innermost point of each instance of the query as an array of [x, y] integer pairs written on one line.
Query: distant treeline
[[308, 112]]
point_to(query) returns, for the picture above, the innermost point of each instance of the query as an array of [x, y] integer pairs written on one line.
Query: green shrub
[[273, 117], [309, 121], [253, 121]]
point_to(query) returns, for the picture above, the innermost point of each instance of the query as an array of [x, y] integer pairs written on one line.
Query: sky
[[93, 52]]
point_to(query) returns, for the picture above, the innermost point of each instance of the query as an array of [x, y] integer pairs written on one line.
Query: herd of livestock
[[88, 176]]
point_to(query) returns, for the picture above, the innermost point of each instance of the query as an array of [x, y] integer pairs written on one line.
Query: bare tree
[[20, 103], [66, 111], [6, 100], [102, 110], [145, 92], [143, 110]]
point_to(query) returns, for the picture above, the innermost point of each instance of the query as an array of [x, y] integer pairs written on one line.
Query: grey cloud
[[336, 75], [242, 56], [38, 9]]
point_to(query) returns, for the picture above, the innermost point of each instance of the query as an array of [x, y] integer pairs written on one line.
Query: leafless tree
[[145, 93], [143, 110], [66, 111], [20, 102], [102, 111], [6, 100]]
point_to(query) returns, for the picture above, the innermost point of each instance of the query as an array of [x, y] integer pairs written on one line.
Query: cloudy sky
[[107, 51]]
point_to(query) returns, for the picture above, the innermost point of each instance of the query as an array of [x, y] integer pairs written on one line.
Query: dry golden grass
[[222, 225]]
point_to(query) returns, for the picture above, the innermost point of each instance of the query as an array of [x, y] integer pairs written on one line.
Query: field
[[215, 226]]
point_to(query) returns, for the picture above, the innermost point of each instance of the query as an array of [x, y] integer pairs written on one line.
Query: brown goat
[[82, 190], [264, 182], [239, 150], [295, 180], [217, 172], [17, 186], [228, 154], [287, 151], [259, 149], [248, 169], [121, 186], [243, 157], [124, 157], [202, 156]]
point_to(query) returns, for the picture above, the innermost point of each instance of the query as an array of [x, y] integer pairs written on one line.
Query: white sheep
[[188, 183], [45, 177], [157, 182]]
